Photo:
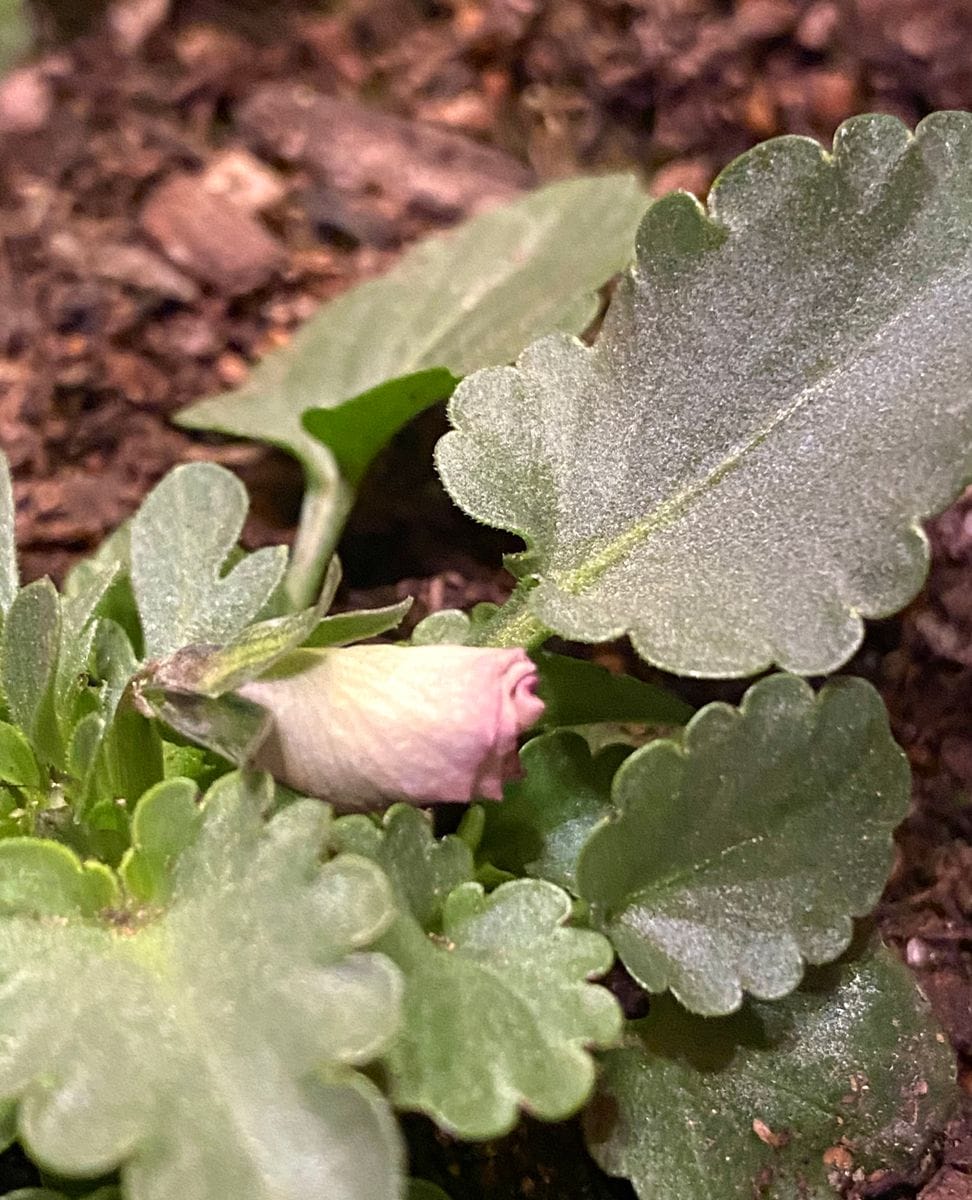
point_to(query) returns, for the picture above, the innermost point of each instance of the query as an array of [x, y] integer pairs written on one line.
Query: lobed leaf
[[165, 824], [208, 1048], [451, 626], [498, 1013], [848, 1070], [547, 816], [741, 853], [703, 478], [181, 539]]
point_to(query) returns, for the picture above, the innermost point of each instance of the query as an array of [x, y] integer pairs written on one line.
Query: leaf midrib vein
[[576, 580]]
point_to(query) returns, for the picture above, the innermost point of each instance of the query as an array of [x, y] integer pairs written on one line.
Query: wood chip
[[209, 236], [362, 152], [244, 179]]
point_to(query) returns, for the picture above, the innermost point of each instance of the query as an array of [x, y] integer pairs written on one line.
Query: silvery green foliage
[[498, 1012], [734, 473], [204, 1044], [739, 853], [782, 389]]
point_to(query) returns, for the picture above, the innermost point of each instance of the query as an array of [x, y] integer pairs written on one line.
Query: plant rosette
[[216, 986]]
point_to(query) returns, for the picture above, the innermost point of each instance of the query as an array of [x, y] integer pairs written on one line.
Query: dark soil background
[[176, 197]]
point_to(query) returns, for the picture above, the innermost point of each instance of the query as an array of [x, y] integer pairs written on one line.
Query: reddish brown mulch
[[171, 208]]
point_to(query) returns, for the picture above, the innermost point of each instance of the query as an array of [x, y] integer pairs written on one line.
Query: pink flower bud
[[365, 726]]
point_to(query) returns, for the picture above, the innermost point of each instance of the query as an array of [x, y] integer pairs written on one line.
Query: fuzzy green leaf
[[31, 644], [207, 1049], [704, 477], [341, 628], [45, 879], [451, 626], [115, 752], [741, 853], [547, 816], [181, 538], [748, 1105], [497, 1011], [79, 631]]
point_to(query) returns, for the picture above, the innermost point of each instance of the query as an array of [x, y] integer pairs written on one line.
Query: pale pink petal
[[364, 726]]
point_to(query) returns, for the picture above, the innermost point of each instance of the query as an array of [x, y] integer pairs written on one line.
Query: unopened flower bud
[[365, 726]]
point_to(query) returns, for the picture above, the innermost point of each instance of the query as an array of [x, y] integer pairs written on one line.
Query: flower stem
[[513, 625]]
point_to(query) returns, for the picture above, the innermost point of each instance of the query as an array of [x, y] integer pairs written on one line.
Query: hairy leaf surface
[[205, 1048], [181, 539], [741, 853], [748, 1105], [736, 472], [497, 1011]]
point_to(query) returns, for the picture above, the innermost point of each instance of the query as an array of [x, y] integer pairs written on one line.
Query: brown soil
[[119, 304]]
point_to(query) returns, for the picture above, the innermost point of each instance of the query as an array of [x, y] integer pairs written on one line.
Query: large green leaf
[[206, 1048], [181, 539], [849, 1067], [462, 300], [497, 1011], [741, 853], [781, 391]]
